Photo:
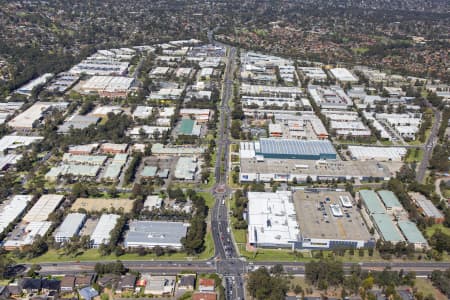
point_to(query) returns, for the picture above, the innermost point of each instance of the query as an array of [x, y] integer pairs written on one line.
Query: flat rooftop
[[323, 168], [317, 221]]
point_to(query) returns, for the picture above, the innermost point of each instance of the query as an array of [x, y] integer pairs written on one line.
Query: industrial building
[[288, 149], [412, 234], [386, 228], [28, 88], [377, 153], [313, 73], [76, 170], [93, 160], [149, 234], [102, 231], [70, 227], [96, 65], [372, 202], [63, 82], [343, 75], [25, 234], [77, 122], [12, 142], [32, 117], [271, 91], [288, 170], [43, 208], [110, 148], [272, 220], [142, 112], [153, 201], [82, 149], [200, 115], [330, 219], [189, 127], [109, 86], [333, 97], [391, 202], [160, 149], [427, 207], [7, 109], [103, 111], [186, 168], [10, 210], [159, 285], [390, 219]]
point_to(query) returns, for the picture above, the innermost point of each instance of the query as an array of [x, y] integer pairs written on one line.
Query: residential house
[[206, 285]]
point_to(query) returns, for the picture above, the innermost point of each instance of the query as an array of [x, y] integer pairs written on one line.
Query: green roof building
[[386, 228], [412, 234], [149, 171], [372, 202], [390, 200]]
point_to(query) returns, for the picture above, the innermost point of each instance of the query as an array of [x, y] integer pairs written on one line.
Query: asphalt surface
[[429, 145]]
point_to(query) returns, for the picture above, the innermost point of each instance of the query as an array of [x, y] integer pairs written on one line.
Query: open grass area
[[430, 230], [424, 286], [414, 155], [209, 198], [387, 143]]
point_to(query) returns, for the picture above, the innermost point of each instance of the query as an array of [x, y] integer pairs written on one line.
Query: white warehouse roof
[[272, 219], [102, 231], [13, 209], [43, 208], [377, 153]]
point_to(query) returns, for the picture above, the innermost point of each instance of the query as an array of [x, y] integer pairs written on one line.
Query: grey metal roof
[[70, 226], [296, 147], [152, 233]]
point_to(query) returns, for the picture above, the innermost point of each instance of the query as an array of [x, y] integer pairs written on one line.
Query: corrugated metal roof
[[296, 147], [411, 232], [387, 228], [372, 202], [389, 199]]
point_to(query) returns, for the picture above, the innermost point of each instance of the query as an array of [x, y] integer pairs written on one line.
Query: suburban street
[[429, 145]]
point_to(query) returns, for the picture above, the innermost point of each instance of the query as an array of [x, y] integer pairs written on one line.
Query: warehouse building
[[201, 115], [386, 228], [189, 127], [102, 232], [377, 153], [313, 73], [93, 160], [328, 219], [288, 149], [109, 86], [12, 209], [76, 170], [391, 202], [32, 117], [82, 149], [77, 122], [160, 149], [142, 112], [110, 148], [412, 234], [153, 202], [271, 91], [371, 202], [70, 227], [343, 75], [427, 207], [26, 234], [149, 234], [28, 88], [12, 142], [43, 208], [96, 65], [272, 220], [186, 168], [63, 82], [287, 170], [333, 97]]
